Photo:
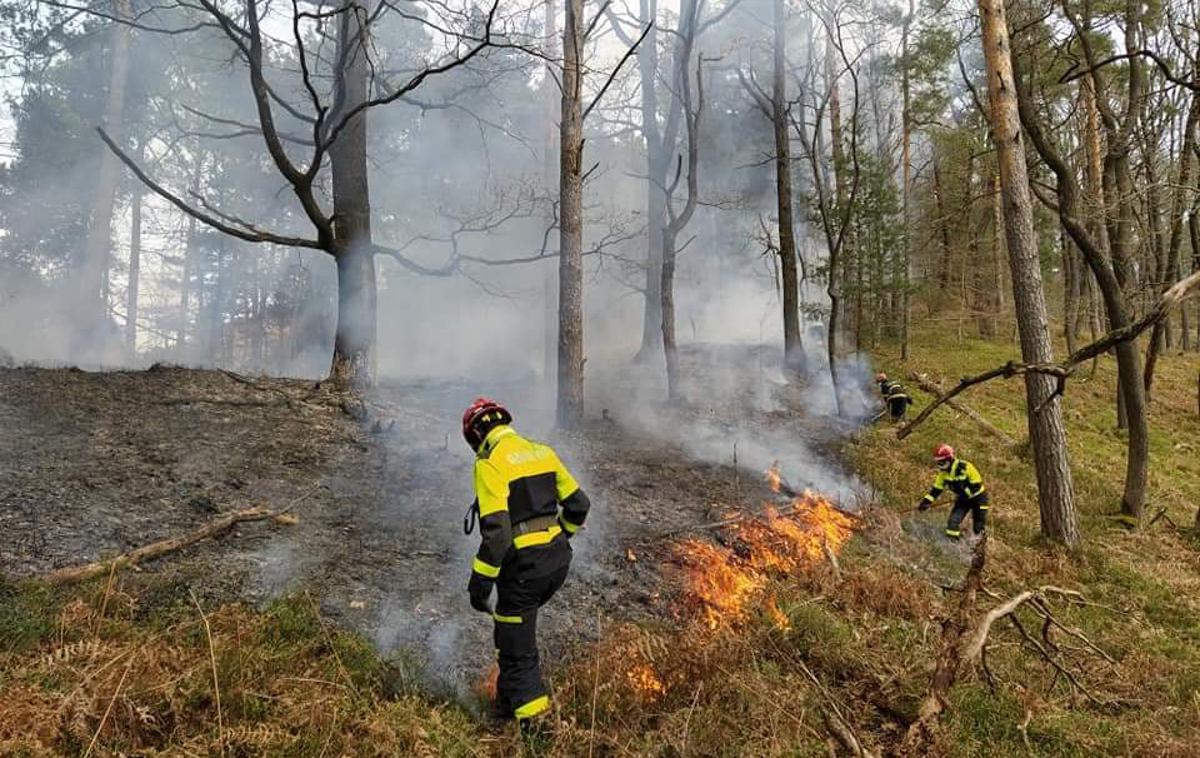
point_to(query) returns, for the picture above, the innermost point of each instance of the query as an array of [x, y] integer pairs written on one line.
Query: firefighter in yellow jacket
[[970, 496], [529, 506]]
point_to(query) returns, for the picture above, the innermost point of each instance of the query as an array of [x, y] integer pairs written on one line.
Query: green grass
[[1146, 580]]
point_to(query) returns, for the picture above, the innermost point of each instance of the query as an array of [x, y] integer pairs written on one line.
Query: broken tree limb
[[1167, 303], [927, 385], [950, 660], [158, 549]]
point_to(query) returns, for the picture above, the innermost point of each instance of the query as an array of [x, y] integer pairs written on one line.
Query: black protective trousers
[[520, 690], [977, 507]]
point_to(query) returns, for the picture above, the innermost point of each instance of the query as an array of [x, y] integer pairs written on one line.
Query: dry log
[[158, 549], [926, 385]]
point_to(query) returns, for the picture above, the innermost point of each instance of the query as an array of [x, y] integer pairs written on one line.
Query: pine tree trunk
[[570, 263], [1171, 255], [353, 363], [1046, 429]]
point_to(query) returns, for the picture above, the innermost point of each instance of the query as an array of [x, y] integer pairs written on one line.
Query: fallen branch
[[964, 646], [1167, 303], [926, 385], [949, 659], [158, 549]]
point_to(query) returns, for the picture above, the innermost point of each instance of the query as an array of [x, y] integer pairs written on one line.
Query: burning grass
[[722, 583]]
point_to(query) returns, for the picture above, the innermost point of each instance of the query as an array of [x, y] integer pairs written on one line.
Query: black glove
[[924, 506], [480, 590]]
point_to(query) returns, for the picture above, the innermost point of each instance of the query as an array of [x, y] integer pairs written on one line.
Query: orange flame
[[721, 582], [774, 478], [646, 682], [781, 621], [486, 686]]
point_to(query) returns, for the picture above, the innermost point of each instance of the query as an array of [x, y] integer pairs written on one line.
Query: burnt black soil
[[94, 464]]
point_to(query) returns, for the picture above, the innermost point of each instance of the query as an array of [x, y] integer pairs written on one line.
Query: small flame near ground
[[486, 686], [722, 583], [645, 682]]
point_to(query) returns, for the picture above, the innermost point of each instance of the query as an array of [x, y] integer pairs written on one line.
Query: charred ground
[[97, 463]]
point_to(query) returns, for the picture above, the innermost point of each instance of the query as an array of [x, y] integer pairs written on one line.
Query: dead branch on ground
[[163, 547], [964, 645]]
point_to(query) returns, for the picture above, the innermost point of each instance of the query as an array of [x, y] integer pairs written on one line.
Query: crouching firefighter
[[970, 496], [894, 396], [529, 506]]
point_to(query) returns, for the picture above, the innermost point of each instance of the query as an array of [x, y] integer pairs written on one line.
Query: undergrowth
[[106, 671]]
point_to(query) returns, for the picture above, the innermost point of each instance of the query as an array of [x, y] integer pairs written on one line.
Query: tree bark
[[677, 221], [92, 267], [354, 341], [550, 178], [658, 163], [793, 347], [570, 262], [906, 189], [135, 271], [1047, 433]]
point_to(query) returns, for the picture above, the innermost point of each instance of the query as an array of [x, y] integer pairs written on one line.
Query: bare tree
[[570, 228], [337, 122], [776, 108]]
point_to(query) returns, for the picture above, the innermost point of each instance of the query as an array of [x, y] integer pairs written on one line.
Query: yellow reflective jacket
[[529, 504], [963, 479]]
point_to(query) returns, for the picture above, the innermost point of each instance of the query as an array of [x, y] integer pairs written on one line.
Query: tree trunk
[[1046, 430], [570, 262], [1070, 291], [793, 347], [135, 271], [657, 165], [353, 363], [550, 179], [670, 349], [996, 300], [906, 189], [1170, 262], [92, 268]]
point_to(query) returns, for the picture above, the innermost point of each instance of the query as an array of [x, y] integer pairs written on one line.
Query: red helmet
[[881, 377], [483, 415], [943, 453]]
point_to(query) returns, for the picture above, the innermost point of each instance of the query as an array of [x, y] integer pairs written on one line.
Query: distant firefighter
[[529, 506], [970, 496], [894, 396]]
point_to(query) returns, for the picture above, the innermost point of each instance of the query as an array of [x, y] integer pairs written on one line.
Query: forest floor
[[96, 464], [347, 632]]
